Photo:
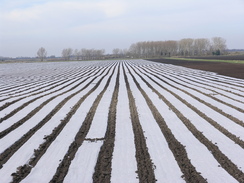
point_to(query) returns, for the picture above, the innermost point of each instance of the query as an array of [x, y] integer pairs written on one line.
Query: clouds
[[64, 12], [114, 23]]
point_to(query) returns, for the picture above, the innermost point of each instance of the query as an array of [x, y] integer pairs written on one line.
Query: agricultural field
[[220, 57], [119, 121], [232, 68]]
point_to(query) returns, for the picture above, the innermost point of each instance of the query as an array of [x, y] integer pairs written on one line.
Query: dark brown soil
[[148, 75], [80, 136], [23, 171], [145, 169], [221, 57], [103, 168], [200, 113], [190, 173], [34, 111], [226, 69]]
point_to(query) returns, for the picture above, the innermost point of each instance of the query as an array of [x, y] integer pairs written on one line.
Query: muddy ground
[[226, 69]]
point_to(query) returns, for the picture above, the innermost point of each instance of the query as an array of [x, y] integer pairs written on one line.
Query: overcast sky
[[27, 25]]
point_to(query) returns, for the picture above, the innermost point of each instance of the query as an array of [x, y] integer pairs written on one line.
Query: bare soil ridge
[[183, 113], [220, 157], [226, 69]]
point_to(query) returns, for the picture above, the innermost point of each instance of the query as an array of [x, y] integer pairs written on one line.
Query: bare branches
[[183, 47], [152, 49], [218, 45], [92, 54], [42, 53], [67, 53]]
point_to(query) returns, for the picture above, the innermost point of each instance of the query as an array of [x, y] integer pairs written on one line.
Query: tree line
[[83, 54], [70, 54], [149, 49], [183, 47]]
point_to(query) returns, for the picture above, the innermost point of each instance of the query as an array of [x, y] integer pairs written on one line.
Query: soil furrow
[[193, 78], [48, 110], [208, 95], [16, 88], [233, 137], [199, 81], [5, 155], [213, 91], [229, 80], [80, 137], [10, 103], [23, 86], [206, 83], [27, 89], [204, 75], [69, 73], [7, 104], [38, 89], [103, 166], [223, 160], [178, 150], [27, 103], [45, 74], [144, 163], [207, 80], [234, 119], [34, 111], [230, 85], [24, 170]]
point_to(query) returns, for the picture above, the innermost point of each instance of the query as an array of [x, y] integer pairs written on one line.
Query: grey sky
[[26, 25]]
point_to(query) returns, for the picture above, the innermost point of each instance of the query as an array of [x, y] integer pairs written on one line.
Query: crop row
[[119, 121]]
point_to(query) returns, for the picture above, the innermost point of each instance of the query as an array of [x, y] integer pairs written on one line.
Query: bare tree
[[169, 48], [83, 53], [153, 49], [102, 52], [123, 53], [42, 53], [92, 54], [99, 53], [201, 46], [86, 53], [133, 50], [67, 53], [116, 52], [218, 45], [77, 54], [186, 46]]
